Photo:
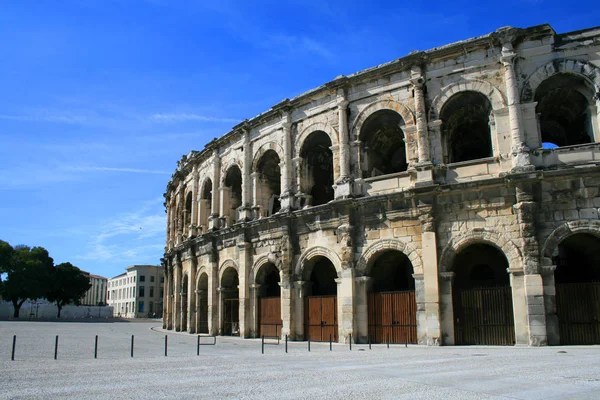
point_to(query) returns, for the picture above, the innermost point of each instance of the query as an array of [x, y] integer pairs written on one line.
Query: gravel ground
[[236, 369]]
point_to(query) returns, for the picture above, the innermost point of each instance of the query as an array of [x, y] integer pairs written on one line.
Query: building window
[[151, 291], [133, 292], [141, 306], [151, 278], [142, 278], [141, 291]]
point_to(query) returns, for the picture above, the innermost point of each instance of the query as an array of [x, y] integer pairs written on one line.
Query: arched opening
[[563, 107], [269, 301], [466, 127], [577, 280], [482, 297], [232, 194], [205, 204], [230, 302], [184, 304], [384, 146], [320, 309], [392, 305], [202, 309], [317, 168], [187, 215], [268, 184]]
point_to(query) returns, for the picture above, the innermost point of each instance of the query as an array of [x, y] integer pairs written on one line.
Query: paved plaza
[[236, 369]]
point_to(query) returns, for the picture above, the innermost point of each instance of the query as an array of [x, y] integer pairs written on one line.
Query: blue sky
[[99, 99]]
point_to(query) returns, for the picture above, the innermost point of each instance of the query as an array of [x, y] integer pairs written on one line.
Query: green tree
[[27, 275], [6, 260], [67, 285]]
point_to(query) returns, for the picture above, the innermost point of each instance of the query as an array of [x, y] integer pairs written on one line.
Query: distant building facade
[[137, 293], [96, 295]]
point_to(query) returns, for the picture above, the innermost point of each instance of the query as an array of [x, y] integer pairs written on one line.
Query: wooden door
[[484, 316], [578, 311], [320, 320], [392, 317], [269, 316]]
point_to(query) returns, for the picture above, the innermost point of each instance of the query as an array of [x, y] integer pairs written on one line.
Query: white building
[[96, 295], [138, 292]]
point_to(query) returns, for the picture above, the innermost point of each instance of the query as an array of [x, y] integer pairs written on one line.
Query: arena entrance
[[392, 305], [184, 304], [482, 297], [320, 309], [269, 301], [203, 303], [577, 279], [230, 303]]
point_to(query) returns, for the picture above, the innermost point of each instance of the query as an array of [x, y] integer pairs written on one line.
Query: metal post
[[405, 340], [166, 345], [263, 344], [350, 341], [286, 343], [56, 347], [309, 343], [330, 349], [198, 347], [96, 347], [369, 338], [131, 345], [12, 357], [388, 341]]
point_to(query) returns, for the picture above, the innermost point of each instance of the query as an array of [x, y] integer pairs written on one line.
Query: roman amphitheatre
[[447, 197]]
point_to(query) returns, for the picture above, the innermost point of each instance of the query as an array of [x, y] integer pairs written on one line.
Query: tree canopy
[[67, 285]]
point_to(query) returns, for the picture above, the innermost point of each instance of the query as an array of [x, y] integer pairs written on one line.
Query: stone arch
[[564, 231], [380, 246], [225, 265], [263, 149], [386, 104], [202, 270], [316, 252], [492, 93], [455, 245], [259, 263], [203, 186], [226, 167], [583, 69], [316, 126]]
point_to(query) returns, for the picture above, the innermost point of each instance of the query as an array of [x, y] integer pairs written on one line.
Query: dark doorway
[[320, 308], [231, 303], [269, 301]]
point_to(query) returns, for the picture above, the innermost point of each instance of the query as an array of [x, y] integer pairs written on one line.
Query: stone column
[[345, 306], [181, 215], [177, 296], [221, 307], [552, 327], [286, 305], [299, 290], [534, 296], [423, 166], [286, 198], [344, 182], [257, 195], [245, 210], [435, 139], [254, 310], [446, 308], [517, 283], [361, 308], [421, 313], [225, 194], [245, 266], [214, 317], [520, 152], [194, 217], [166, 299], [191, 328], [213, 221], [431, 283], [169, 213]]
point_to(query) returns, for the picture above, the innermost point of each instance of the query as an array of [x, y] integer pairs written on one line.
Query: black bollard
[[405, 340], [56, 347], [263, 344], [286, 343], [96, 347], [131, 345], [309, 343], [369, 339], [330, 349], [198, 347], [350, 341], [12, 357], [388, 341], [166, 345]]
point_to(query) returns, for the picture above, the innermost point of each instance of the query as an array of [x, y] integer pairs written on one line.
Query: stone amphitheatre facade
[[447, 197]]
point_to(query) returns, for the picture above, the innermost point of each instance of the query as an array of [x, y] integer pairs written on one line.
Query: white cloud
[[182, 117]]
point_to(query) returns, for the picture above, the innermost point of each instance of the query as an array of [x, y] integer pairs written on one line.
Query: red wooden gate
[[393, 317], [578, 311], [269, 316], [484, 316], [320, 318]]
